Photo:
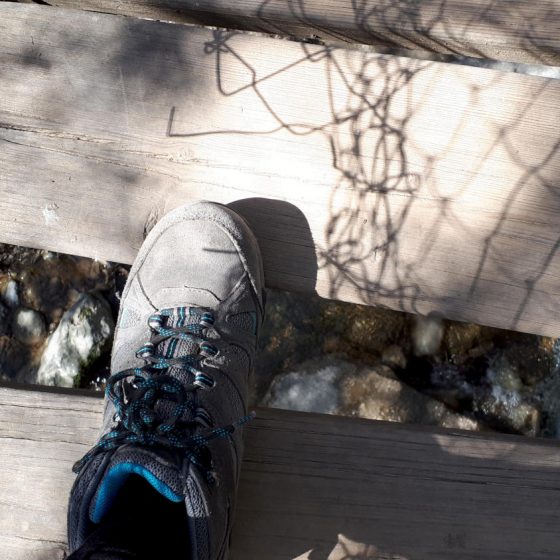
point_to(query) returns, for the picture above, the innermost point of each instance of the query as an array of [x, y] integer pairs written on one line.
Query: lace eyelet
[[146, 351], [207, 320], [208, 350], [203, 380], [155, 321]]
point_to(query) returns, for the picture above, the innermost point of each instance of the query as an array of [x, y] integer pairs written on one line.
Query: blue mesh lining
[[116, 477]]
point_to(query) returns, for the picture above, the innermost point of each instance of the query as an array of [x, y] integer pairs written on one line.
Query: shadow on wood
[[427, 187]]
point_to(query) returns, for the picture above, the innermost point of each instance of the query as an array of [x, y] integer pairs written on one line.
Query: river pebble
[[28, 326]]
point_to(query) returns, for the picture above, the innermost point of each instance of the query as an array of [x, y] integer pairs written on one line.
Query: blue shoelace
[[135, 400]]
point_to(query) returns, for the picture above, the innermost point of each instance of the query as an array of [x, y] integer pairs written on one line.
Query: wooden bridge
[[368, 177]]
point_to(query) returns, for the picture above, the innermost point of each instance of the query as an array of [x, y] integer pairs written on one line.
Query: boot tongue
[[175, 348], [176, 318], [161, 467]]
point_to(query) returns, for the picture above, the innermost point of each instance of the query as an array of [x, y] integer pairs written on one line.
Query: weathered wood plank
[[416, 185], [516, 31], [312, 486]]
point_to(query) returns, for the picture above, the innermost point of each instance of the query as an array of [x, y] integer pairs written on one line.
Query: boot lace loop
[[134, 393]]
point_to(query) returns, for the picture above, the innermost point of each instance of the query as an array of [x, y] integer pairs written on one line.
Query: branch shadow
[[378, 196]]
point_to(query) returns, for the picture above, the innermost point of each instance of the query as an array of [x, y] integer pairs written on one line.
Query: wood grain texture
[[312, 486], [516, 31], [421, 186]]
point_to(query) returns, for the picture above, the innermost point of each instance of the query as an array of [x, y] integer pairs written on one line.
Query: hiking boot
[[184, 348]]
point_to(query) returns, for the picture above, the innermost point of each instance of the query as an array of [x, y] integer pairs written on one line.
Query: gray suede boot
[[183, 352]]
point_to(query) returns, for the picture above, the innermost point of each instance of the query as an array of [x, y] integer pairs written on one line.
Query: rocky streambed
[[57, 316]]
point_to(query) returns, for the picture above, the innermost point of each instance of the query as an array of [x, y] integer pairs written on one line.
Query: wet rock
[[479, 351], [17, 360], [46, 291], [427, 335], [13, 256], [84, 333], [506, 411], [373, 394], [312, 388], [28, 326], [532, 362], [504, 402]]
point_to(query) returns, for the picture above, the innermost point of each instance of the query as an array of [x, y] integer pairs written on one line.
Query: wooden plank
[[420, 186], [516, 31], [312, 486]]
